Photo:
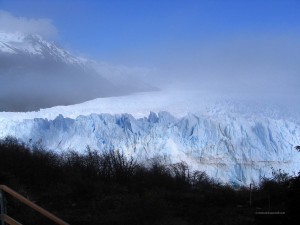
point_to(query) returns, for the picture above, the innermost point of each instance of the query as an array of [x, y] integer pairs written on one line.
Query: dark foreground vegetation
[[108, 188]]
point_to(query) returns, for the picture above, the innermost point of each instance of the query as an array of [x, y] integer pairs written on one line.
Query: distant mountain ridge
[[35, 73], [35, 45]]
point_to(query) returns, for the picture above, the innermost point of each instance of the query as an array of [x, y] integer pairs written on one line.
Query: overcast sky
[[239, 46]]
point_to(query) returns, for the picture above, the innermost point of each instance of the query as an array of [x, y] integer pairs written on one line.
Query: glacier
[[223, 139], [233, 139]]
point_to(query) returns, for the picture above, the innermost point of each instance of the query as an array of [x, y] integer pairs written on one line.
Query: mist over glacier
[[235, 119]]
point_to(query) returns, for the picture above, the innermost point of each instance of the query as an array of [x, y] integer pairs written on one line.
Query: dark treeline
[[108, 188]]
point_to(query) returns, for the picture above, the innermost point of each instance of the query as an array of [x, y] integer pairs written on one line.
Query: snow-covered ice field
[[224, 138]]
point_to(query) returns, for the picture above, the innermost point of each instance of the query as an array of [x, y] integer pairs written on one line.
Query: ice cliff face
[[237, 149]]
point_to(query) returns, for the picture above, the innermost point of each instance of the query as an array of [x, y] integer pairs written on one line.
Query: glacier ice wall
[[234, 149]]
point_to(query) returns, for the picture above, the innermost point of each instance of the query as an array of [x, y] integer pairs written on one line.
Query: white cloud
[[11, 23]]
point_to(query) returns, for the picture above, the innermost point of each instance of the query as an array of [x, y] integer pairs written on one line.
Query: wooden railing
[[6, 219]]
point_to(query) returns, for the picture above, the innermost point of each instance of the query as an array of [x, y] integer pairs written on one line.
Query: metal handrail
[[32, 205]]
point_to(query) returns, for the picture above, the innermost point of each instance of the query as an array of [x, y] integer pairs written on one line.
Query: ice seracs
[[230, 145]]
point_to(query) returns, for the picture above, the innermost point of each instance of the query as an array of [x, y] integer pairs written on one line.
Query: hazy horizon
[[228, 48]]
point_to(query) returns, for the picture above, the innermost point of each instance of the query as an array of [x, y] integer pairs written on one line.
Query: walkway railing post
[[2, 207]]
